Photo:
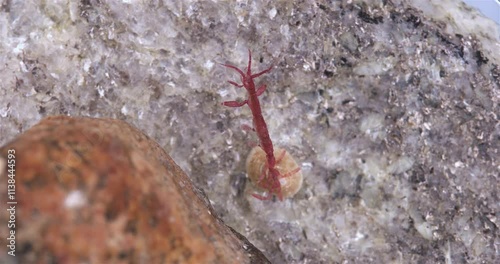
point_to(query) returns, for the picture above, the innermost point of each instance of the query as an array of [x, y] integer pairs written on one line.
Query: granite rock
[[390, 107], [100, 191]]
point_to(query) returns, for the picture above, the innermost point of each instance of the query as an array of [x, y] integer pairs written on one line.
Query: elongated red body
[[271, 183]]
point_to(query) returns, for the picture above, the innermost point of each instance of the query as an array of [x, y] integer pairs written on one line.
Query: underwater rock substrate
[[99, 190]]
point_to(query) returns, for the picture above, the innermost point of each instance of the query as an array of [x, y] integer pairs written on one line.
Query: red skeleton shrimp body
[[269, 179]]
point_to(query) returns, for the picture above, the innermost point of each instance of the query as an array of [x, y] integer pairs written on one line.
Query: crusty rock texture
[[100, 191], [390, 107]]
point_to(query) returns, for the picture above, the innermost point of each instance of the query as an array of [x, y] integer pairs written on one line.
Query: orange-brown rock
[[100, 191]]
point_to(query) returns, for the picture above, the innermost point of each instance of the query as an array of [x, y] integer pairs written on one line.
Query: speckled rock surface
[[100, 191], [390, 107]]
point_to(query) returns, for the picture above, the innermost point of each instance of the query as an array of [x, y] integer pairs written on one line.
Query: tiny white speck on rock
[[272, 13], [124, 110], [75, 199], [100, 90], [208, 64]]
